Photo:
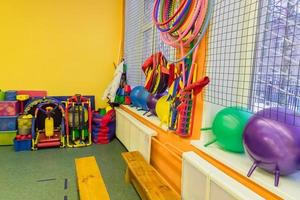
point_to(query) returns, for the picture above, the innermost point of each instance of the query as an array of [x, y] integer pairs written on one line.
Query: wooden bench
[[90, 183], [147, 181]]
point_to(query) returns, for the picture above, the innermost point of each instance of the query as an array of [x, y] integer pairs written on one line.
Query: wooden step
[[147, 181], [90, 183]]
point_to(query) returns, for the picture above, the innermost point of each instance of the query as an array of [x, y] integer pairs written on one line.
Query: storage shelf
[[289, 186]]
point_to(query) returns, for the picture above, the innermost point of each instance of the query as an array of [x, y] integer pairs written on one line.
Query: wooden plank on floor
[[146, 179], [90, 183]]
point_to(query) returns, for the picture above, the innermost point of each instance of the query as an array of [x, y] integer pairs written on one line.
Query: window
[[230, 53], [141, 39], [133, 40], [277, 71], [254, 54], [138, 38]]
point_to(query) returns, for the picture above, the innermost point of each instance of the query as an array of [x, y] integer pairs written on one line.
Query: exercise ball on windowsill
[[272, 141], [228, 128]]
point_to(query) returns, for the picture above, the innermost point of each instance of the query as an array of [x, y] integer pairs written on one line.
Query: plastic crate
[[33, 93], [2, 95], [10, 95], [22, 145], [8, 108], [8, 123], [7, 137]]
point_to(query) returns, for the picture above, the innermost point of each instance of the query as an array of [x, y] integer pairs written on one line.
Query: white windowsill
[[153, 119], [289, 186]]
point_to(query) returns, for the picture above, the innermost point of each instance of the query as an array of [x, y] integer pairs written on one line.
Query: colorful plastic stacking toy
[[104, 127]]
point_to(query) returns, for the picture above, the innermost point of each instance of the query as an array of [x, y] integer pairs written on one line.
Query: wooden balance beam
[[90, 183], [147, 181]]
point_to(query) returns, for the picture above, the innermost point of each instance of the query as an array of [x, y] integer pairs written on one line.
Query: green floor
[[23, 175]]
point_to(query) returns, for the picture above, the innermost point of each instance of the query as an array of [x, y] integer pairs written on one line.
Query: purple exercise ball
[[152, 101], [272, 140]]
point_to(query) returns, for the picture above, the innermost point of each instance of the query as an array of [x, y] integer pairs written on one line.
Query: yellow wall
[[62, 46]]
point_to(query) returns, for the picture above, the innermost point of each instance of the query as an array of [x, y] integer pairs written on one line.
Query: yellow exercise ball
[[162, 109]]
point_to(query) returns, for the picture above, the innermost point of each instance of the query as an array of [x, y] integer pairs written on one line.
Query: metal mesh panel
[[277, 71], [230, 54], [141, 39], [168, 51], [134, 41], [253, 57]]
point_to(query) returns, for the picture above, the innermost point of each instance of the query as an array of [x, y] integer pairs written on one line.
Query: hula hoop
[[196, 12], [199, 35], [155, 14], [192, 26], [180, 17]]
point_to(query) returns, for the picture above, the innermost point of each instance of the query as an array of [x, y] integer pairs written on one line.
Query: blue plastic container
[[22, 145], [8, 123], [11, 95]]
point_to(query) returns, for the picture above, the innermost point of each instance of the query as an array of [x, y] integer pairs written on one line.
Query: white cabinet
[[134, 135], [203, 181]]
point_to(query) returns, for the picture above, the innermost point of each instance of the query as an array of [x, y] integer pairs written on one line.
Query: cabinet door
[[194, 183], [203, 181], [217, 193], [195, 177], [133, 134]]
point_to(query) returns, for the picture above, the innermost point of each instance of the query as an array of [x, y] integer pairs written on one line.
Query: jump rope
[[182, 24]]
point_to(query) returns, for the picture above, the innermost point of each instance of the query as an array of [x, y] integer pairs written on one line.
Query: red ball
[[127, 89], [28, 136], [127, 100], [18, 137]]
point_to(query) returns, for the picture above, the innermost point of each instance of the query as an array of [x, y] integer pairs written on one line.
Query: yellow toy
[[162, 109], [21, 98], [49, 123]]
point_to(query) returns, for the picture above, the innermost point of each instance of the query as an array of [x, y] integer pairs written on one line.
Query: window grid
[[133, 41], [276, 76], [141, 39], [230, 52], [254, 55]]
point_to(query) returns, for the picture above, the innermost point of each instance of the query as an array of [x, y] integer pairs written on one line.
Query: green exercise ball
[[228, 128]]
